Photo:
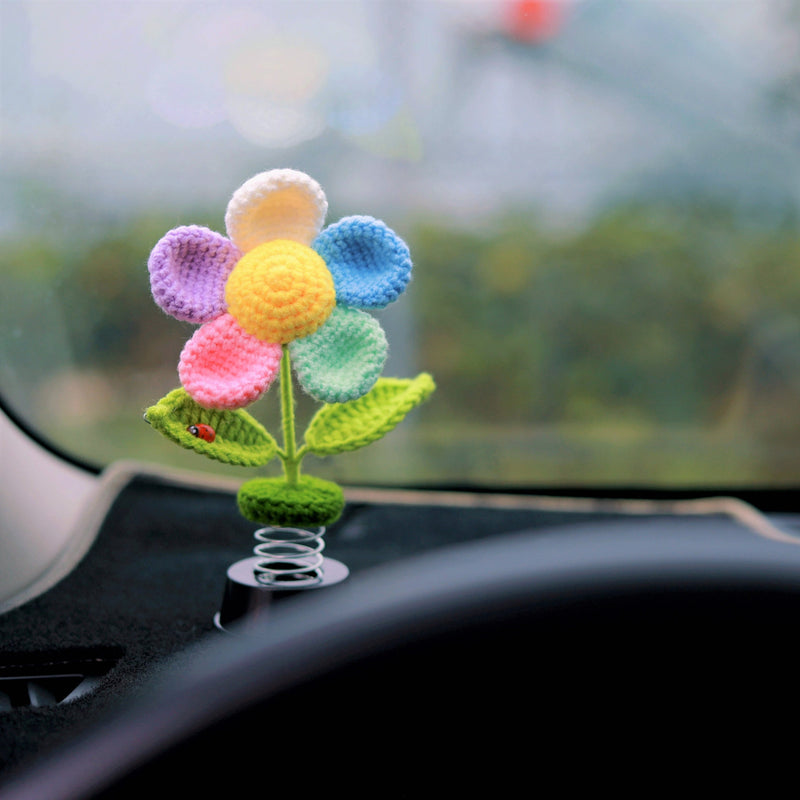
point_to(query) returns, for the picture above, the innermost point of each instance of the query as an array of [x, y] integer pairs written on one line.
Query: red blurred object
[[534, 20]]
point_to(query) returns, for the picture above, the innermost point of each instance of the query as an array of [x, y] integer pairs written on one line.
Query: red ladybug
[[205, 432]]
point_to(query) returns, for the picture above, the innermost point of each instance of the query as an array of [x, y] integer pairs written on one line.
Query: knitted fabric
[[279, 204], [370, 264], [188, 270], [340, 428], [342, 361], [239, 439], [223, 366], [308, 503], [265, 287], [280, 291]]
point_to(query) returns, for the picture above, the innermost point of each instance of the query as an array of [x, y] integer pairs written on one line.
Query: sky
[[430, 105]]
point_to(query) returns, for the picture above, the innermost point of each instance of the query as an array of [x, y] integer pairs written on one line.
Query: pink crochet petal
[[188, 270], [223, 366]]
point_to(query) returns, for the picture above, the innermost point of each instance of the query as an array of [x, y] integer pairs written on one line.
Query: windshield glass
[[600, 198]]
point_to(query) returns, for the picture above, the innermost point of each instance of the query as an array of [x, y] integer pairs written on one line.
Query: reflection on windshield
[[600, 197]]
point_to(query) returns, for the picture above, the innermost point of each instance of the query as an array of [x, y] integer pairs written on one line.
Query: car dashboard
[[465, 616]]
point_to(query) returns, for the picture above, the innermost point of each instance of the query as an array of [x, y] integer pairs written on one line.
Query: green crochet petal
[[348, 426], [343, 359], [239, 438], [310, 502]]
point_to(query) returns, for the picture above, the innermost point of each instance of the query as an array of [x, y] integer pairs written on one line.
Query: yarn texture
[[278, 277], [280, 292], [310, 502], [240, 439], [357, 250], [290, 280], [188, 270], [223, 366], [342, 361], [278, 204], [339, 428]]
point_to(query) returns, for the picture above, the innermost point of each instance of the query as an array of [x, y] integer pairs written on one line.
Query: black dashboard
[[472, 628]]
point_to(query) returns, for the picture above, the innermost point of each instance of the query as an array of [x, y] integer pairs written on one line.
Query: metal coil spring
[[289, 556]]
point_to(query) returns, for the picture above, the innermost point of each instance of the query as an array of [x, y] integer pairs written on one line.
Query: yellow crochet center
[[280, 291]]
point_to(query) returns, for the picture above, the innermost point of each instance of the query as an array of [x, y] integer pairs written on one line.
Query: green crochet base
[[272, 501]]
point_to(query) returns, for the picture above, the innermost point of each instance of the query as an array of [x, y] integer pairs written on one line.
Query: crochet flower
[[279, 280]]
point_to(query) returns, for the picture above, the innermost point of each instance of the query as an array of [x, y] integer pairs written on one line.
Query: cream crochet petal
[[278, 204]]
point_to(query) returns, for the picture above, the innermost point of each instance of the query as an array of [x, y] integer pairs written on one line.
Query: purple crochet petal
[[188, 271], [370, 263]]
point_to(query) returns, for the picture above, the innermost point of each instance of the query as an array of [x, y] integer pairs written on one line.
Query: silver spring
[[289, 556]]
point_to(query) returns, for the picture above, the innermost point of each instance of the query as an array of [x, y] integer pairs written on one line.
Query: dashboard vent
[[35, 684]]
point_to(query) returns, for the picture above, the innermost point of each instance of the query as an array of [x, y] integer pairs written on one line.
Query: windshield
[[600, 198]]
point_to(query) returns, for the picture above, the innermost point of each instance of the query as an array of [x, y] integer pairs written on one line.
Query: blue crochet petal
[[370, 263]]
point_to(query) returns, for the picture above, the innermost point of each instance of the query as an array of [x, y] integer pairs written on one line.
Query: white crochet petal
[[278, 204]]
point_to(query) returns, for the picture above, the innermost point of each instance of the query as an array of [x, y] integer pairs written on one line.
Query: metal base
[[247, 601]]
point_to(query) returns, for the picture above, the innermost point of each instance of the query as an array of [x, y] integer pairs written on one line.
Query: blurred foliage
[[653, 314], [659, 342]]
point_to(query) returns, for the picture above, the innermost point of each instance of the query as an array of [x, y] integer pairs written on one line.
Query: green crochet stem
[[290, 456], [294, 499]]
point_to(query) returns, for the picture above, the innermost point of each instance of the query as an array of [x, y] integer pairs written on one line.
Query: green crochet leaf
[[348, 426], [239, 439], [272, 501]]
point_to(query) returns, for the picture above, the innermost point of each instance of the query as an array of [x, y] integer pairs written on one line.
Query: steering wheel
[[503, 660]]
